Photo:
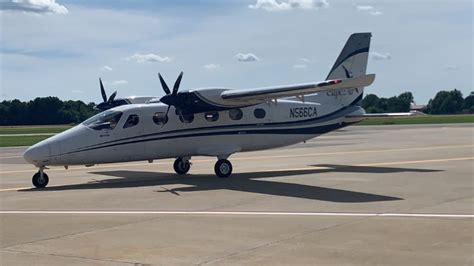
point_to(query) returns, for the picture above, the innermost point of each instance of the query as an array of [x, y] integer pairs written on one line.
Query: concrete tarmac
[[396, 195]]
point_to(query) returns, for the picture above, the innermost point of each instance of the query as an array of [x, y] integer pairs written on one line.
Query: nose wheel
[[223, 168], [40, 179], [181, 166]]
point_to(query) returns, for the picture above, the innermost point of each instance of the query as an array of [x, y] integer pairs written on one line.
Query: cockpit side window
[[105, 120], [132, 120]]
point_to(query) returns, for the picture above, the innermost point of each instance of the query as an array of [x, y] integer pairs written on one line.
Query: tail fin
[[352, 61]]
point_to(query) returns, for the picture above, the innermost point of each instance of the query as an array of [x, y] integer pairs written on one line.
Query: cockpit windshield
[[105, 120]]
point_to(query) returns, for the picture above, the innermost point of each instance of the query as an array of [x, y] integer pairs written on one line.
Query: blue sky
[[61, 48]]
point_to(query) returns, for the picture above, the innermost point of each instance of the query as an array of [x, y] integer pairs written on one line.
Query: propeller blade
[[112, 97], [176, 84], [163, 84], [166, 114], [102, 90]]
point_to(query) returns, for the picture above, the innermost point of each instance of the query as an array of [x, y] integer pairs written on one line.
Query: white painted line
[[248, 213]]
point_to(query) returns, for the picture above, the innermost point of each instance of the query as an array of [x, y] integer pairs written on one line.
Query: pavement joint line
[[253, 158], [66, 256], [267, 244], [247, 213], [323, 168]]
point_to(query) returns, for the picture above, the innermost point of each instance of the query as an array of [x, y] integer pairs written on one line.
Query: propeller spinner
[[107, 103]]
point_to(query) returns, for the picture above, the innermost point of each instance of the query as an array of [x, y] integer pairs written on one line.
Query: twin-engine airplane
[[213, 121]]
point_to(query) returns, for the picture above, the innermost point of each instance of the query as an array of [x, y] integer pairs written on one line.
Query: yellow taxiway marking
[[11, 157], [14, 189], [250, 213], [255, 157], [367, 164], [325, 168]]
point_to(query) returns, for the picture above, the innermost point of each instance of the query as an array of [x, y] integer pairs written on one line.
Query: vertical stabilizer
[[352, 61]]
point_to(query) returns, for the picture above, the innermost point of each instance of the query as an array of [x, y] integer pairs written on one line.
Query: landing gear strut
[[40, 179], [181, 166], [223, 168]]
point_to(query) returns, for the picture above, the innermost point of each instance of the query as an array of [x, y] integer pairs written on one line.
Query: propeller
[[171, 98], [107, 103]]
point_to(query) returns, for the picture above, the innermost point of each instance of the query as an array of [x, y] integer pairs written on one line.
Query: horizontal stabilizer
[[385, 115]]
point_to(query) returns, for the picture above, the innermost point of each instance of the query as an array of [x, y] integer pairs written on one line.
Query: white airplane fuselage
[[285, 122]]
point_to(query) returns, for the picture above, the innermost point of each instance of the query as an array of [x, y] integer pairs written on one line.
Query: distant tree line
[[445, 102], [44, 111], [53, 111]]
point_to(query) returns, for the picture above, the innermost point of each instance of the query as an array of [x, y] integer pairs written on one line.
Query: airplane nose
[[38, 154]]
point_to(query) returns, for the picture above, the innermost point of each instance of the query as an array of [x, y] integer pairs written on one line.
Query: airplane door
[[126, 132]]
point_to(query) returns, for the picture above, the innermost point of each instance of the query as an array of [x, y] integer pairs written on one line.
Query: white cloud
[[380, 56], [277, 5], [306, 60], [246, 57], [106, 68], [211, 66], [34, 6], [300, 66], [116, 82], [452, 68], [141, 58], [370, 9], [364, 8]]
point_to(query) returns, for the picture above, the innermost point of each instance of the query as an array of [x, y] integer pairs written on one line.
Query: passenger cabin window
[[259, 113], [132, 120], [211, 116], [160, 118], [105, 120], [235, 114]]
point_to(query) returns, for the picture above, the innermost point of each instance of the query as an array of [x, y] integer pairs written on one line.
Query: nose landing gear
[[40, 179]]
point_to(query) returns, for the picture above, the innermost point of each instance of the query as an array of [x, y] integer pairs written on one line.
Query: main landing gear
[[40, 179], [181, 166], [222, 168]]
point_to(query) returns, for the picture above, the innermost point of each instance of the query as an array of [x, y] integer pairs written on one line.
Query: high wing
[[268, 93]]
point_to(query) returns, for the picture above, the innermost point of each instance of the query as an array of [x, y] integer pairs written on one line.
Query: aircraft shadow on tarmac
[[245, 182]]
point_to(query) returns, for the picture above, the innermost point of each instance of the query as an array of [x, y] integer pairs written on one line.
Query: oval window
[[160, 118], [211, 116], [235, 114], [132, 120], [259, 113]]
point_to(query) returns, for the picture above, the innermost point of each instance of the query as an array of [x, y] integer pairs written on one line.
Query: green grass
[[11, 141], [425, 119], [33, 129]]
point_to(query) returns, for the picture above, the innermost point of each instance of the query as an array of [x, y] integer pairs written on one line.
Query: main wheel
[[181, 166], [223, 168], [40, 181]]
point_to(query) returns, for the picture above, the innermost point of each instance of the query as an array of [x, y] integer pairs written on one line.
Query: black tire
[[223, 168], [181, 166], [40, 182]]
